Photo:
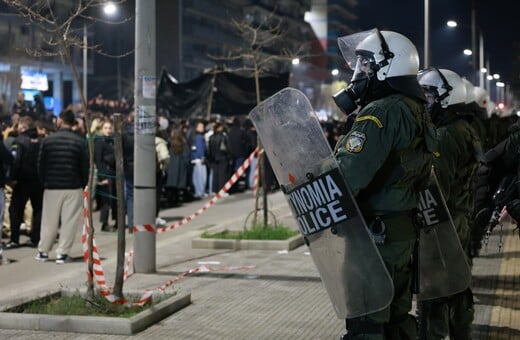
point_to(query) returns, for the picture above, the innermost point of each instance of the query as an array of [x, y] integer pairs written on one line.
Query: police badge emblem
[[355, 142]]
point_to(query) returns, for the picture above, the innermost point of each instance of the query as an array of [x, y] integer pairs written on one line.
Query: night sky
[[498, 20]]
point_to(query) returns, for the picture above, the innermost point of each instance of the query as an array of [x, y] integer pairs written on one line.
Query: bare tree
[[60, 27], [265, 51]]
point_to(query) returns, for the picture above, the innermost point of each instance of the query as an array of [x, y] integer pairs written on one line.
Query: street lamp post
[[487, 78], [473, 42], [426, 34], [481, 60], [144, 146], [85, 66]]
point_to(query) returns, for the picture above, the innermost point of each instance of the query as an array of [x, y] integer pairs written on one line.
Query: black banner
[[233, 95]]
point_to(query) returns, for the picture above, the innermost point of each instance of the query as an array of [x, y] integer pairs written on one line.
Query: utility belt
[[394, 227]]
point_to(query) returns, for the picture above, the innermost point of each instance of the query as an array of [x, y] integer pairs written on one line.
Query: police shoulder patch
[[355, 142]]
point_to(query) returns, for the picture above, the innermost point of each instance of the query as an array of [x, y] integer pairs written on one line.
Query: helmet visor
[[364, 66], [348, 45]]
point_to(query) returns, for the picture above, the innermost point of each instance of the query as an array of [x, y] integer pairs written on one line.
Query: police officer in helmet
[[460, 152], [386, 160]]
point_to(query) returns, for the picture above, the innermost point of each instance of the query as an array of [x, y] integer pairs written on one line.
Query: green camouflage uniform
[[386, 158], [460, 152]]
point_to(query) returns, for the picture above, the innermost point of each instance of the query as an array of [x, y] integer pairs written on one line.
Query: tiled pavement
[[282, 296]]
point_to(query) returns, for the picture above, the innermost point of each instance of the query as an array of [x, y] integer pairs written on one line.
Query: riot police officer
[[459, 155], [386, 160]]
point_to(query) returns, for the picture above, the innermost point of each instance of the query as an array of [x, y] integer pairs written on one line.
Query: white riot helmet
[[470, 94], [394, 54], [481, 97], [442, 86], [382, 56]]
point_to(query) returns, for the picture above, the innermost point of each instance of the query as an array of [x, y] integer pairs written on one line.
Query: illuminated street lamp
[[451, 23], [467, 52], [109, 9], [483, 70], [296, 61], [334, 72], [496, 76]]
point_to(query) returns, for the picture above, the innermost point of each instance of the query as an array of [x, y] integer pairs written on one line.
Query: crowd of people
[[45, 166]]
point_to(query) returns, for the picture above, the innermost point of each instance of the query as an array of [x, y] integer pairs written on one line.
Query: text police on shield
[[320, 203]]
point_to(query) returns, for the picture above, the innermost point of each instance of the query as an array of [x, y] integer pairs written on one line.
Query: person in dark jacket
[[24, 178], [20, 106], [39, 111], [238, 144], [63, 169], [218, 156], [178, 167], [105, 160]]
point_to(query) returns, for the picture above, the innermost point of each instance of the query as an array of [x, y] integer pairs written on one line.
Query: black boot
[[106, 227]]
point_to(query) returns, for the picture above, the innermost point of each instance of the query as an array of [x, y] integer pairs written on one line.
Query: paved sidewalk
[[281, 297]]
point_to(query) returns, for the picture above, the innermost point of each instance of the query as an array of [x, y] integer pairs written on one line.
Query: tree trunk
[[118, 150], [261, 160]]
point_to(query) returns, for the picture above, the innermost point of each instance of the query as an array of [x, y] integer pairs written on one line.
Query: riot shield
[[341, 247], [443, 267]]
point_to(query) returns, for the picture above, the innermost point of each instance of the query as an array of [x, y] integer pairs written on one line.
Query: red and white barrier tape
[[200, 269], [256, 175], [99, 274], [128, 263], [227, 186]]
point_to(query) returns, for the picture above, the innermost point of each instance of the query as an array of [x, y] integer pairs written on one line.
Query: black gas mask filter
[[346, 98]]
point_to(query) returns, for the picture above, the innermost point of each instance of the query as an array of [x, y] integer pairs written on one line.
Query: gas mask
[[431, 98], [348, 99], [432, 102]]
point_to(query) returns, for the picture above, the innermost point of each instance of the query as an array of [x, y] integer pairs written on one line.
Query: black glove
[[513, 208]]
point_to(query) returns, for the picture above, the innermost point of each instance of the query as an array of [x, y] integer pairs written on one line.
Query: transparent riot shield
[[443, 266], [341, 247]]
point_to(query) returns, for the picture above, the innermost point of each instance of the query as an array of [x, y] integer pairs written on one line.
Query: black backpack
[[12, 170], [25, 159]]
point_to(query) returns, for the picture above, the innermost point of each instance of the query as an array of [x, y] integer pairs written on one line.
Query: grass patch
[[256, 232], [59, 304]]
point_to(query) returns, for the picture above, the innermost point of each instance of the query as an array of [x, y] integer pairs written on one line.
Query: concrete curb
[[95, 324], [208, 243]]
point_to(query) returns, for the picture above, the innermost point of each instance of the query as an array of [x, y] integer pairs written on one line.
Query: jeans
[[199, 177], [252, 169]]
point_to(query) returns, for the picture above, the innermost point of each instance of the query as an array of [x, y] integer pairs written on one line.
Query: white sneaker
[[160, 221], [224, 194], [42, 256]]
